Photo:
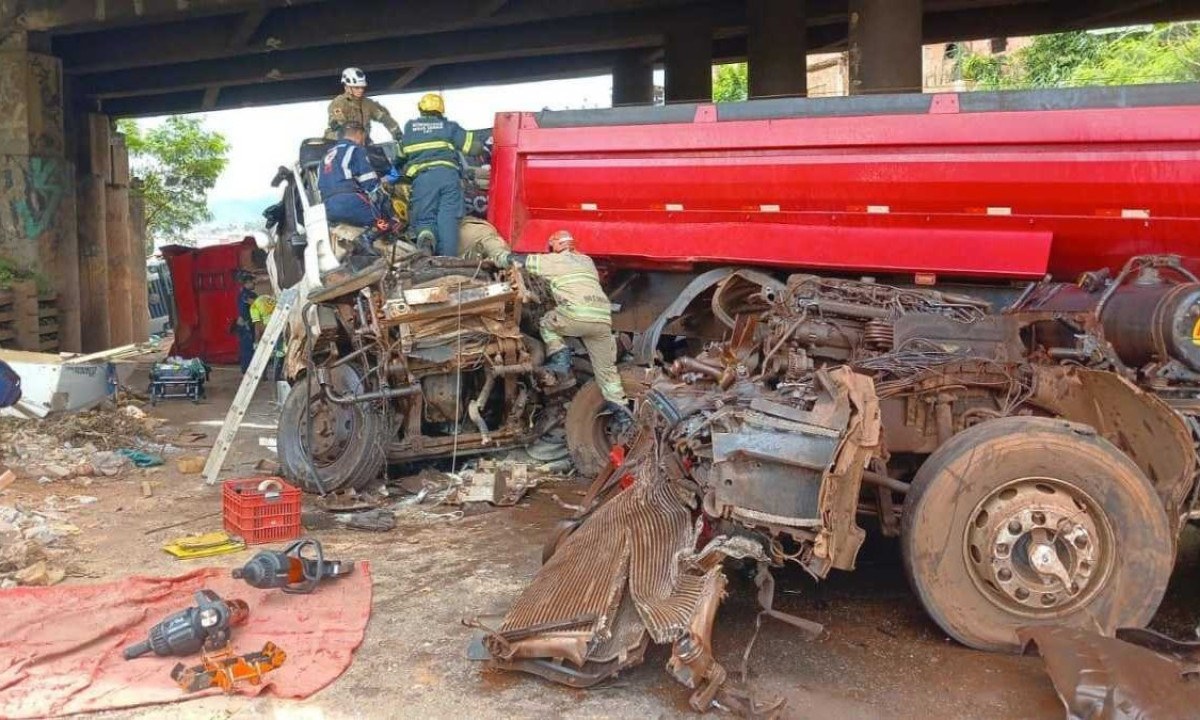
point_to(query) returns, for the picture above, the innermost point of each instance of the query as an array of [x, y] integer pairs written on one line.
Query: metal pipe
[[473, 406], [388, 394], [884, 481], [357, 353], [851, 310]]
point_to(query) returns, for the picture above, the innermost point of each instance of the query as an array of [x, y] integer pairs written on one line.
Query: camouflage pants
[[597, 337]]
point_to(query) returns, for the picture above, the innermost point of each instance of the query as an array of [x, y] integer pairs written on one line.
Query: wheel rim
[[1039, 547], [333, 429]]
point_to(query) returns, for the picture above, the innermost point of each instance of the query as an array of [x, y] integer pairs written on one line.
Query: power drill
[[290, 570], [206, 626]]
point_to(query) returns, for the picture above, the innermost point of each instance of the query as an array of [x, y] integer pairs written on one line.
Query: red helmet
[[560, 241]]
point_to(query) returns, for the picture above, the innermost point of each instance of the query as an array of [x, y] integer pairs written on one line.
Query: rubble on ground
[[28, 539], [78, 446]]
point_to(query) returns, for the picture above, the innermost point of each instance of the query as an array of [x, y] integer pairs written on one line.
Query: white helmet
[[354, 77]]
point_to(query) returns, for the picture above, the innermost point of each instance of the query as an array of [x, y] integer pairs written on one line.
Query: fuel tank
[[1147, 320]]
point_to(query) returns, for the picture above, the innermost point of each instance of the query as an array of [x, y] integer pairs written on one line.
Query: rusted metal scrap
[[647, 564], [1138, 674]]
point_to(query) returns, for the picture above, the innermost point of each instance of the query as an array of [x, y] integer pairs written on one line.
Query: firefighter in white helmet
[[354, 106], [582, 311]]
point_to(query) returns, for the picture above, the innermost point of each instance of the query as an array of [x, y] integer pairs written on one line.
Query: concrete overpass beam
[[777, 48], [37, 196], [633, 80], [885, 46], [688, 59]]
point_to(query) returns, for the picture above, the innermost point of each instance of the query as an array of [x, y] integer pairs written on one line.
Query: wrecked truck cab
[[1034, 476]]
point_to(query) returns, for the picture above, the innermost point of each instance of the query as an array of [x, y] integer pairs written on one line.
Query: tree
[[178, 162], [730, 83], [1152, 54]]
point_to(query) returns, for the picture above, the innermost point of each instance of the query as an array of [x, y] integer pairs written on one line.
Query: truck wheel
[[590, 435], [1034, 521], [348, 440]]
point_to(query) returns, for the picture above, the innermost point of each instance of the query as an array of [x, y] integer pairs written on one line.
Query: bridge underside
[[68, 67]]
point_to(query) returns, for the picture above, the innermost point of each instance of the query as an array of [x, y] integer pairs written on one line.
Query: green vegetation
[[1151, 54], [10, 273], [730, 83], [178, 162]]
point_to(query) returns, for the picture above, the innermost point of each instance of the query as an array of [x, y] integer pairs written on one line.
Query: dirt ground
[[882, 656]]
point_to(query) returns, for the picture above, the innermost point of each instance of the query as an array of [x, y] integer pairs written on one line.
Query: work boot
[[427, 241], [559, 362], [622, 416]]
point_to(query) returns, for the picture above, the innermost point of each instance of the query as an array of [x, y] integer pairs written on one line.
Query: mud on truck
[[1001, 368]]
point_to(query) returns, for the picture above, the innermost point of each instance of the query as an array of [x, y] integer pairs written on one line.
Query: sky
[[264, 138]]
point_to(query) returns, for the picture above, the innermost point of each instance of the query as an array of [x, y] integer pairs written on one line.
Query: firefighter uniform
[[244, 326], [346, 178], [345, 108], [478, 239], [583, 311], [430, 151]]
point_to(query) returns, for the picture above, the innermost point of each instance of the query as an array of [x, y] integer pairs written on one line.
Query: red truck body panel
[[984, 185]]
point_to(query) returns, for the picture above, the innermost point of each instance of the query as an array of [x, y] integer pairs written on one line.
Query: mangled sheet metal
[[646, 566], [1139, 674]]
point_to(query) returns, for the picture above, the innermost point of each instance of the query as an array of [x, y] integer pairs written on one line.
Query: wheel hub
[[1037, 546], [332, 431]]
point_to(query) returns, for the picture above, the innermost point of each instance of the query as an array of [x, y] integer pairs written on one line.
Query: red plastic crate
[[261, 516]]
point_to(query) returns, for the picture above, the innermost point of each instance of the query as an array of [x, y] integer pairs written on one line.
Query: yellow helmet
[[431, 103]]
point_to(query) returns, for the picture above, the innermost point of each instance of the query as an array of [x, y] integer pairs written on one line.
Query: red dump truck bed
[[986, 185]]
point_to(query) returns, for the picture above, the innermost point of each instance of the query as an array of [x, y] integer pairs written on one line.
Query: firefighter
[[350, 187], [478, 239], [353, 106], [583, 311], [430, 153], [243, 325], [260, 312]]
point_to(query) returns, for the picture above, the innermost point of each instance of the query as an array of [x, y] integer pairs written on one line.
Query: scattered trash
[[24, 537], [501, 484], [377, 520], [190, 464], [140, 459], [110, 464], [147, 490], [133, 411], [267, 467], [7, 478], [84, 499], [204, 545]]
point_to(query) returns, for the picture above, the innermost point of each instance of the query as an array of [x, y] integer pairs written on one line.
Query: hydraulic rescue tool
[[290, 569], [225, 670], [204, 627]]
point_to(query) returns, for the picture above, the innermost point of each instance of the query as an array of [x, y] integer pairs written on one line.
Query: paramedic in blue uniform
[[430, 153], [349, 185], [244, 325]]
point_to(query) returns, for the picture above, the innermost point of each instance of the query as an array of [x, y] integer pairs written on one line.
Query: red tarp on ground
[[60, 647], [206, 298]]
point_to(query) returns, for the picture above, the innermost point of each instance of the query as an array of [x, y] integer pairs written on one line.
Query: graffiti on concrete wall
[[32, 214]]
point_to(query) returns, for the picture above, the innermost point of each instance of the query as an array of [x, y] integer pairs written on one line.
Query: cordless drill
[[206, 626], [290, 569]]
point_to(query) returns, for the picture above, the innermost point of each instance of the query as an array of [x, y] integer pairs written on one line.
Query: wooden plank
[[25, 310], [93, 264], [116, 228], [139, 290]]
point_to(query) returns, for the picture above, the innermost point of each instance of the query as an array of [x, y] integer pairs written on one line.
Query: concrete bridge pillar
[[885, 46], [633, 80], [776, 50], [688, 60], [37, 186]]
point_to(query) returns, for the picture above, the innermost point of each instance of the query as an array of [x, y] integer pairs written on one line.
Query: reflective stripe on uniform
[[532, 264], [571, 278], [468, 140], [367, 176], [431, 145], [346, 163], [586, 313], [415, 168]]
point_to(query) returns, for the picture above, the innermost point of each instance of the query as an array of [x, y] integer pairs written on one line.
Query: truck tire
[[1034, 521], [588, 437], [349, 439]]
